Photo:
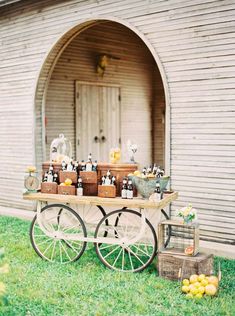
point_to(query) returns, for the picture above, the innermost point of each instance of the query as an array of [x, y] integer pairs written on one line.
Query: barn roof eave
[[7, 2]]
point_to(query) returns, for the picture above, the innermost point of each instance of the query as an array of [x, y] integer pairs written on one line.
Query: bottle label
[[124, 194], [88, 167], [50, 178], [157, 196], [79, 191], [129, 194], [107, 181], [70, 167]]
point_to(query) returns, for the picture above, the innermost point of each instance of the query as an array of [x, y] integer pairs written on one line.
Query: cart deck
[[95, 200]]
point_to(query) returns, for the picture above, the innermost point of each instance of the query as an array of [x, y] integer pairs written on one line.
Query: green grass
[[39, 288]]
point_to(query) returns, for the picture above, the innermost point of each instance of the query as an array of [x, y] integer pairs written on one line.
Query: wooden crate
[[176, 267], [107, 191], [49, 187], [119, 171], [66, 189], [90, 182], [56, 166], [174, 237], [72, 175]]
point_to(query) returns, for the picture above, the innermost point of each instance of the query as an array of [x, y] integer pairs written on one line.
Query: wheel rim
[[58, 218], [128, 257]]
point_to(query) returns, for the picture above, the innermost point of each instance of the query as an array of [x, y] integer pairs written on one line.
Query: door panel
[[97, 115]]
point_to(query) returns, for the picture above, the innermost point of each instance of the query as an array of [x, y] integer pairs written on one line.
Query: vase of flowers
[[188, 214]]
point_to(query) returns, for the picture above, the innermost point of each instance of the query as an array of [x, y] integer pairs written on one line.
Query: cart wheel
[[127, 257], [58, 218]]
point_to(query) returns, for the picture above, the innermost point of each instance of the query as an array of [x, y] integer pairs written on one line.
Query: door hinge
[[119, 97]]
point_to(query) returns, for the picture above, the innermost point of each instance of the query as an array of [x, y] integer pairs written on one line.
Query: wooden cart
[[124, 237]]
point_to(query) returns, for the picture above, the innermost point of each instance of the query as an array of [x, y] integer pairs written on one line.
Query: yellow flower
[[186, 212], [31, 169]]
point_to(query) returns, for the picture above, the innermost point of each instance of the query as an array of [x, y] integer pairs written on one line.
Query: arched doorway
[[103, 89]]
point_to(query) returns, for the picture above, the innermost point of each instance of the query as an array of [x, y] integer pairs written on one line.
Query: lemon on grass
[[213, 280], [210, 289], [201, 277], [197, 284], [185, 289], [198, 295], [191, 286], [193, 278], [204, 282], [185, 282], [194, 290], [201, 290], [189, 295]]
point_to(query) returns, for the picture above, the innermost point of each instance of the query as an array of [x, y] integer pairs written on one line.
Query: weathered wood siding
[[195, 44], [133, 70]]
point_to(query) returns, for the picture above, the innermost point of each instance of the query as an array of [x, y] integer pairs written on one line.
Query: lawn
[[39, 288]]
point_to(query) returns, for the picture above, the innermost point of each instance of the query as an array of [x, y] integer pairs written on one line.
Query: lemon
[[191, 286], [204, 282], [193, 278], [197, 284], [201, 277], [213, 280], [198, 295], [201, 290], [185, 289], [68, 182], [210, 289], [189, 295], [137, 173], [185, 282], [151, 175], [194, 290]]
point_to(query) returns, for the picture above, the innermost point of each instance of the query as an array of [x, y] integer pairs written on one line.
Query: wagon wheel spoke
[[63, 220], [138, 248]]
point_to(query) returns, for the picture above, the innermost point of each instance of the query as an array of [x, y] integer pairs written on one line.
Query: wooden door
[[97, 120]]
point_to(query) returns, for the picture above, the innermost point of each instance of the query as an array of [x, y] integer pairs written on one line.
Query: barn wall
[[195, 44], [133, 70]]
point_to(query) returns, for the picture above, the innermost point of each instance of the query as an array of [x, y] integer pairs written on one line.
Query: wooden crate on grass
[[174, 237], [176, 267]]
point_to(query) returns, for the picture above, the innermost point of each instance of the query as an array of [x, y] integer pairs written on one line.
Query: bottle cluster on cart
[[107, 187], [153, 171], [127, 189], [71, 178]]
